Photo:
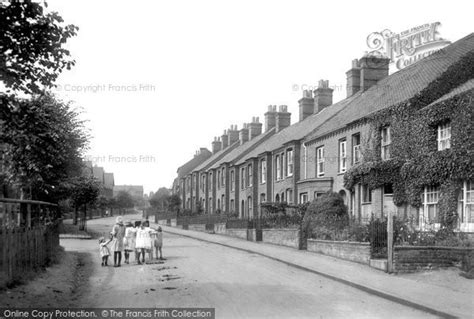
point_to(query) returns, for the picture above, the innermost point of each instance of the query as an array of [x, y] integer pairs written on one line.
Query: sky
[[157, 80]]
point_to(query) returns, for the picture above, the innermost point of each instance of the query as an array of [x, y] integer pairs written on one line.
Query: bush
[[326, 217]]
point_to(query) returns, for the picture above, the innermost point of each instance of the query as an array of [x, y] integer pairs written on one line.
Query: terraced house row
[[400, 142]]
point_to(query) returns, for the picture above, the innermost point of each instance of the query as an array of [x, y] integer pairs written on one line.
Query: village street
[[238, 284]]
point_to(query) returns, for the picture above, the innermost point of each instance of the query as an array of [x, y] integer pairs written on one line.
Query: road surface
[[238, 284]]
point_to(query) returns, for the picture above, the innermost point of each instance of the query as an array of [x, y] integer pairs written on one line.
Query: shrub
[[326, 217]]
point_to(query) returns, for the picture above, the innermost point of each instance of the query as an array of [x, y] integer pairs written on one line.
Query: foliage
[[281, 214], [415, 161], [32, 45], [83, 190], [174, 203], [160, 198], [43, 141], [326, 217], [124, 200]]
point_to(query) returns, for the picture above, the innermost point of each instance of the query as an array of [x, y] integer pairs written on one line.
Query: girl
[[129, 241], [153, 234], [143, 242], [104, 250], [118, 233], [159, 243]]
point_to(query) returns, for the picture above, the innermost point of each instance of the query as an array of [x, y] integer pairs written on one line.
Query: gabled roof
[[243, 149], [215, 157], [397, 87], [198, 159], [468, 86], [297, 131]]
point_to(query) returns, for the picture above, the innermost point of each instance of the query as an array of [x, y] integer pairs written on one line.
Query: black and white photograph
[[236, 159]]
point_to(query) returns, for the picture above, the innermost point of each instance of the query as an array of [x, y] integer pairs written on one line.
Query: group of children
[[139, 238]]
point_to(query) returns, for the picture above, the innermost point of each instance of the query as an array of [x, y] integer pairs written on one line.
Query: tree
[[124, 200], [84, 190], [42, 141], [160, 198], [32, 46], [174, 203]]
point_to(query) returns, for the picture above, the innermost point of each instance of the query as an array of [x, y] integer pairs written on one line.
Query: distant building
[[135, 190]]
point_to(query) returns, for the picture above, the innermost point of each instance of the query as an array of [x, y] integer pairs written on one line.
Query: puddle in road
[[170, 288], [169, 277]]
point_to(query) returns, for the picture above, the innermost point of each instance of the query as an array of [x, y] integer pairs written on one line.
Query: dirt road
[[236, 283]]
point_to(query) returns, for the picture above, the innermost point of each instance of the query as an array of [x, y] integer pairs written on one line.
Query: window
[[320, 161], [342, 156], [232, 180], [210, 205], [263, 198], [466, 202], [203, 182], [263, 171], [249, 203], [385, 143], [232, 205], [223, 177], [303, 198], [366, 194], [356, 153], [289, 162], [289, 195], [430, 209], [318, 194], [242, 178], [210, 182], [218, 179], [277, 198], [444, 136], [223, 202], [278, 167], [249, 175]]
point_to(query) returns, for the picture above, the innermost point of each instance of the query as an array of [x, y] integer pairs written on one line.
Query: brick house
[[332, 142]]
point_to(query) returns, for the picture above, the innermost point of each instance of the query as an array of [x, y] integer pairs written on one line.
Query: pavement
[[439, 300]]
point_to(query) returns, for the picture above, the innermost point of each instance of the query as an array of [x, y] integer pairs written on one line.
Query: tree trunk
[[74, 219]]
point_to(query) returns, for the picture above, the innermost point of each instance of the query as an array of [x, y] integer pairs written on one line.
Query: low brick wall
[[419, 258], [353, 251], [283, 237], [197, 227], [243, 233]]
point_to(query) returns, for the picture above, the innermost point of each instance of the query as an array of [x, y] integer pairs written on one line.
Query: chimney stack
[[270, 118], [306, 104], [232, 135], [283, 118], [224, 140], [216, 145], [322, 96], [373, 69], [244, 134], [353, 79], [366, 72], [255, 128]]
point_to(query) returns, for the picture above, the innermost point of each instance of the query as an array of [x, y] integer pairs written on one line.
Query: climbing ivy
[[415, 161]]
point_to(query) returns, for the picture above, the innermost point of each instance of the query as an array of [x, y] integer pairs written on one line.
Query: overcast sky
[[159, 79]]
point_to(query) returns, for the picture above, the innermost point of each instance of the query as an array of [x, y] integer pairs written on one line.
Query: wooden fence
[[28, 238]]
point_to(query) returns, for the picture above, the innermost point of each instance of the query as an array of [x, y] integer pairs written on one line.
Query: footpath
[[439, 300]]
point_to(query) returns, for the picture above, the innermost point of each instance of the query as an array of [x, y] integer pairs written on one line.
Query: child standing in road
[[159, 242], [143, 242], [129, 240], [104, 250]]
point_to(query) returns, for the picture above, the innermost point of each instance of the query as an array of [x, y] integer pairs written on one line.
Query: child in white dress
[[129, 241], [104, 250], [143, 242]]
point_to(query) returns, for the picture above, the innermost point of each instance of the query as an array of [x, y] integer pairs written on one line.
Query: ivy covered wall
[[414, 160]]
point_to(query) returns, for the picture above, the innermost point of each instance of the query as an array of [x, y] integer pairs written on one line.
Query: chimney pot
[[306, 105], [255, 128], [244, 134]]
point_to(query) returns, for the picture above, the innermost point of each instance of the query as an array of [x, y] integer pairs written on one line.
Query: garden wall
[[243, 233], [353, 251], [418, 258], [197, 227], [284, 237]]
